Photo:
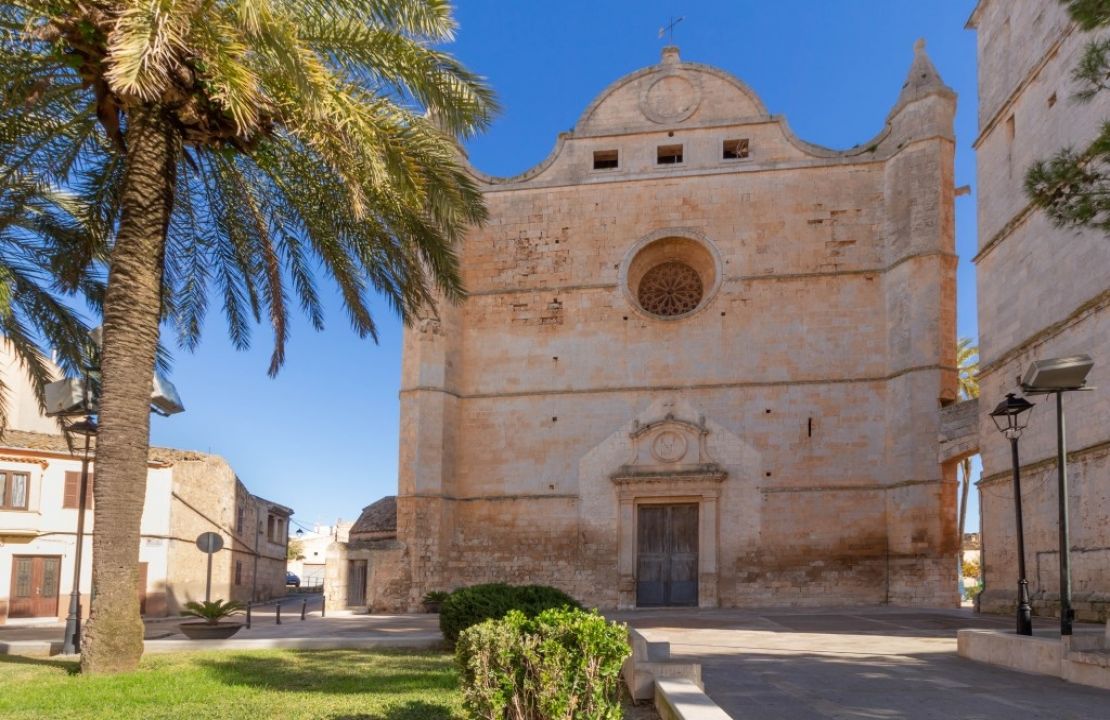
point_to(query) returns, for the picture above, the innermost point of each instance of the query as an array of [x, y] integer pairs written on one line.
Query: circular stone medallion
[[669, 446], [671, 98]]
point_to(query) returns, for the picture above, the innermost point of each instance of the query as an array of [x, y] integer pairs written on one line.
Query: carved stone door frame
[[704, 489]]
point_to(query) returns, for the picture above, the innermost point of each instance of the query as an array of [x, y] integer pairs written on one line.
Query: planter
[[432, 607], [209, 631]]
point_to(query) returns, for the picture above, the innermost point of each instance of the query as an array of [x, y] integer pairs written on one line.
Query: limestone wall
[[1043, 292], [810, 375]]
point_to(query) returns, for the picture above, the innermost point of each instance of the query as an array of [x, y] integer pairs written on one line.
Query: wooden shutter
[[73, 483]]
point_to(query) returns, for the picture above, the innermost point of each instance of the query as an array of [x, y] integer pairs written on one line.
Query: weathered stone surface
[[1043, 292], [796, 404], [959, 431]]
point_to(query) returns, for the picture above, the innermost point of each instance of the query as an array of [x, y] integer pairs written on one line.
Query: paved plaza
[[771, 664], [859, 664], [414, 631]]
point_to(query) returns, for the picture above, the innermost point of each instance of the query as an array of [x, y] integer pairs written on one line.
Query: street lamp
[[1058, 376], [1011, 417], [88, 428]]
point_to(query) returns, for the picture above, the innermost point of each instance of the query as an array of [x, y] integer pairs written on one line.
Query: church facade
[[700, 363]]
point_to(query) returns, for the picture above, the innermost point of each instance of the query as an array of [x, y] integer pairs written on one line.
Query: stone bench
[[674, 686]]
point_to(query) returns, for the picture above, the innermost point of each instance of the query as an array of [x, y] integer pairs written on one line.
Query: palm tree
[[36, 222], [967, 364], [236, 145]]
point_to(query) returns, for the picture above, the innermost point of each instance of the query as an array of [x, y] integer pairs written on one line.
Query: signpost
[[209, 543]]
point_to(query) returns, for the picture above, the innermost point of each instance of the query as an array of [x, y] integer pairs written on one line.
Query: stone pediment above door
[[669, 449]]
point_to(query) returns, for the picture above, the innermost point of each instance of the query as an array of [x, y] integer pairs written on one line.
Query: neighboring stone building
[[362, 559], [700, 363], [1043, 292], [187, 493]]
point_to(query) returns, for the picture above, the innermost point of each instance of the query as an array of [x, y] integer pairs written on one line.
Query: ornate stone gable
[[669, 449]]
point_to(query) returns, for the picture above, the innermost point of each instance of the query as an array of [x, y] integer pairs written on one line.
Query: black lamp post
[[1057, 376], [1011, 417], [72, 641]]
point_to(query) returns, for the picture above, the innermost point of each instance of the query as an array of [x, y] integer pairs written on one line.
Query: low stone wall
[[1083, 659], [674, 686], [680, 699]]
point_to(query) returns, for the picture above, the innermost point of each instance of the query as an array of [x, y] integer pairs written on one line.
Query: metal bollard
[[279, 613], [323, 605], [248, 616], [304, 607]]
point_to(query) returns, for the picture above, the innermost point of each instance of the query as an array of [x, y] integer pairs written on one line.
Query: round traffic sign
[[210, 542]]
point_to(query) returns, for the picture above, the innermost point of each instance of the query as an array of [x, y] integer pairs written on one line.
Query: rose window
[[670, 289]]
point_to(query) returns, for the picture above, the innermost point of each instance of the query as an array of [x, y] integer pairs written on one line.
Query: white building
[[309, 566], [187, 493]]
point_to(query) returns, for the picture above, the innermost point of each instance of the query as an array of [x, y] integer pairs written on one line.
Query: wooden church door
[[667, 555]]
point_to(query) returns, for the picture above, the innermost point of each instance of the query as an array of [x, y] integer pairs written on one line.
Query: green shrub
[[560, 665], [478, 603]]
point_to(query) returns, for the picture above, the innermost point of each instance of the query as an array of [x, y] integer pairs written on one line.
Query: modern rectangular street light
[[1057, 376]]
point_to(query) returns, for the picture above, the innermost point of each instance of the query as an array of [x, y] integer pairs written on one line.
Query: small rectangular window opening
[[735, 149], [669, 155], [605, 159]]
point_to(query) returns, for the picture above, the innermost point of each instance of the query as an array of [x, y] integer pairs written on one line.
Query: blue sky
[[322, 437]]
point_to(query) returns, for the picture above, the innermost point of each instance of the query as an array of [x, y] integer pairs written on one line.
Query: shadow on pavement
[[804, 686]]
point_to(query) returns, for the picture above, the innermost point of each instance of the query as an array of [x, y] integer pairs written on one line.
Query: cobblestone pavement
[[860, 664]]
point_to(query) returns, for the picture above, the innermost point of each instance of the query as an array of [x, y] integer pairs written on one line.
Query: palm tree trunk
[[113, 641]]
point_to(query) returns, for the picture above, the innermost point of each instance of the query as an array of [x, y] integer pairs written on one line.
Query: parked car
[[291, 579]]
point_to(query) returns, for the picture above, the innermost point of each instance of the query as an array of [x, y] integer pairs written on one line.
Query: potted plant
[[211, 612], [434, 599]]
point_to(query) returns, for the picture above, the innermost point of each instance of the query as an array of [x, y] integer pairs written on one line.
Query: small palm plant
[[212, 611]]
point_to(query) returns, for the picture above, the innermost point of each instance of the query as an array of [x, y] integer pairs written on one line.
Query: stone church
[[701, 363]]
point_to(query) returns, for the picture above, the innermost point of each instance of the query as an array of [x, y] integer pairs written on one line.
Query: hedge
[[560, 665], [471, 605]]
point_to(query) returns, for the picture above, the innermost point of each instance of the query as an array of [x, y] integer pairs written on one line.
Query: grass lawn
[[285, 684]]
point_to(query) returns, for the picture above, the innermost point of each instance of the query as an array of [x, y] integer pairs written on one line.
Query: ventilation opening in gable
[[605, 159], [668, 155], [735, 149]]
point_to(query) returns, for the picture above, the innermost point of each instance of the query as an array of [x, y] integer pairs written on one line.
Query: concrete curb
[[681, 699], [31, 648], [408, 642], [424, 641]]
